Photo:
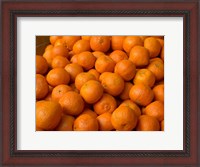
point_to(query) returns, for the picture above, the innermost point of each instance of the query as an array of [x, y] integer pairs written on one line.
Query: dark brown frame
[[189, 10]]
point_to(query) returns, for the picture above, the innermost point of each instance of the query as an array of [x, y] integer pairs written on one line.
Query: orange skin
[[107, 103], [131, 41], [48, 47], [74, 59], [117, 42], [41, 65], [162, 54], [157, 68], [139, 55], [147, 123], [156, 59], [153, 46], [42, 87], [155, 109], [125, 93], [73, 70], [144, 76], [118, 55], [126, 69], [86, 60], [91, 91], [161, 41], [70, 41], [124, 119], [82, 78], [59, 41], [162, 125], [59, 62], [104, 64], [72, 103], [86, 37], [81, 46], [90, 112], [48, 114], [60, 51], [100, 43], [141, 94], [86, 122], [58, 76], [95, 73], [159, 92], [97, 54], [104, 121], [48, 55], [53, 39], [66, 123]]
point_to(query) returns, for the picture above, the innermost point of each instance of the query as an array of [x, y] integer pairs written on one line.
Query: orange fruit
[[118, 55], [48, 114], [42, 87], [58, 76], [59, 62], [41, 65], [144, 76], [86, 60], [85, 37], [161, 41], [139, 55], [113, 84], [53, 39], [157, 68], [85, 122], [91, 91], [155, 109], [143, 37], [126, 69], [100, 43], [162, 125], [124, 119], [95, 73], [74, 88], [72, 103], [104, 64], [60, 50], [73, 70], [131, 41], [159, 92], [104, 121], [81, 46], [162, 54], [59, 41], [70, 41], [90, 112], [156, 59], [74, 59], [125, 93], [147, 123], [59, 91], [153, 46], [133, 106], [66, 123], [48, 55], [107, 103], [97, 54], [117, 42], [141, 94], [48, 97], [48, 47], [82, 78]]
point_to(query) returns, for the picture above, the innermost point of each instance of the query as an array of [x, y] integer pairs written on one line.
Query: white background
[[170, 139]]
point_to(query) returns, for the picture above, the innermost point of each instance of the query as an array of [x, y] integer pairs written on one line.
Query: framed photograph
[[26, 31]]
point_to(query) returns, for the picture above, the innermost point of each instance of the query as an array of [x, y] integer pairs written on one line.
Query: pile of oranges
[[101, 83]]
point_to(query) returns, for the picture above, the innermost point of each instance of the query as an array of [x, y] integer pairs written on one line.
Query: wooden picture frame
[[189, 10]]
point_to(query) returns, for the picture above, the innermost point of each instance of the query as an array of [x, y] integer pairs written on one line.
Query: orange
[[104, 121], [74, 88], [66, 123], [60, 50], [73, 70], [147, 123], [117, 42], [139, 55], [144, 76], [59, 41], [82, 78], [85, 37], [133, 106], [157, 68], [41, 65], [159, 92], [118, 55], [48, 47], [48, 97], [86, 122], [143, 37], [161, 41], [48, 55], [54, 38], [153, 46], [141, 94], [48, 114], [91, 91], [81, 46], [74, 59], [162, 54], [125, 93], [86, 60], [126, 69], [59, 62], [95, 73], [70, 41], [155, 109], [156, 59], [162, 125], [107, 103], [131, 41], [42, 87], [72, 103], [100, 43], [113, 84], [58, 76], [90, 112], [104, 64], [59, 91], [98, 54], [71, 54], [124, 119]]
